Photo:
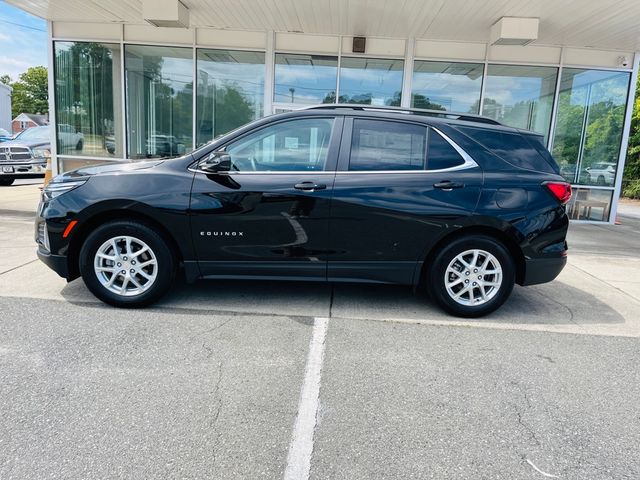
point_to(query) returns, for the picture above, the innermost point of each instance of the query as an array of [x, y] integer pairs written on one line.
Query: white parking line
[[301, 447]]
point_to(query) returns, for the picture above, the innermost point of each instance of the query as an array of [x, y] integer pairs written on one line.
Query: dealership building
[[147, 78]]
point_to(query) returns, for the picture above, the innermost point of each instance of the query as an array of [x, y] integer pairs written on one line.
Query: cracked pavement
[[207, 383]]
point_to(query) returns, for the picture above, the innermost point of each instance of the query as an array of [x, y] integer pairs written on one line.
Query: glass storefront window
[[590, 204], [450, 86], [589, 124], [305, 79], [520, 96], [230, 91], [371, 81], [159, 82], [88, 96]]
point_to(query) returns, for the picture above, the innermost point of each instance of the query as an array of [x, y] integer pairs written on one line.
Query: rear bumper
[[542, 270], [57, 263]]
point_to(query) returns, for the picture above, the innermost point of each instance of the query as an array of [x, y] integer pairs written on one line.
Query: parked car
[[602, 173], [454, 203], [25, 156], [69, 137], [164, 146], [5, 136], [568, 171]]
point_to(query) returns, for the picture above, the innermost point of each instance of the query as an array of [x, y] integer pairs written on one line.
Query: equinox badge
[[221, 234]]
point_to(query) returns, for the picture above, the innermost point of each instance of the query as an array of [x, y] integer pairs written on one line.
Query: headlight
[[40, 153], [55, 189]]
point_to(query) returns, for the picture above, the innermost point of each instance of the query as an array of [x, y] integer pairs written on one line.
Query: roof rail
[[469, 117]]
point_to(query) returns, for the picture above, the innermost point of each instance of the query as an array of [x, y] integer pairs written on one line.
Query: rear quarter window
[[512, 148]]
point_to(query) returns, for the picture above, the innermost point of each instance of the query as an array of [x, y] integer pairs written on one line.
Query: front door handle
[[448, 185], [309, 186]]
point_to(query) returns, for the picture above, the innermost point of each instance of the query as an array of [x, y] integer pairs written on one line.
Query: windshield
[[35, 133]]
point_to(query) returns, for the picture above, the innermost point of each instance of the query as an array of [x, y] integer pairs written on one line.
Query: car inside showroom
[[159, 78]]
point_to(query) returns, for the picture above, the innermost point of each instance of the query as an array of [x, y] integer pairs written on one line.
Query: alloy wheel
[[126, 266], [473, 277]]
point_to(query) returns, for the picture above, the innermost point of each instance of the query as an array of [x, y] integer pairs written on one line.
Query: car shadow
[[556, 303]]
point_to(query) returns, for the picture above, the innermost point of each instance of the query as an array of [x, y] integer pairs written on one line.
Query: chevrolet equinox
[[456, 205]]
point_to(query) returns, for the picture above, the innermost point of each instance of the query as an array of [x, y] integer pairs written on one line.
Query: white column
[[269, 60], [625, 138], [52, 104], [407, 76]]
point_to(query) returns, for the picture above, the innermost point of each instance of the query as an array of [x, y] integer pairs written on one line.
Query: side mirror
[[216, 162]]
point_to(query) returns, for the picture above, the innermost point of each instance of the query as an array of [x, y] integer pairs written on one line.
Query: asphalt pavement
[[214, 381]]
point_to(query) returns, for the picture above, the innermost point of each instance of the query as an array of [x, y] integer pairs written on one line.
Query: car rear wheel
[[79, 145], [127, 264], [471, 276], [5, 182]]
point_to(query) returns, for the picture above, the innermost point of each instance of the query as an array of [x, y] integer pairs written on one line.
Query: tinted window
[[441, 154], [296, 145], [511, 147], [382, 145]]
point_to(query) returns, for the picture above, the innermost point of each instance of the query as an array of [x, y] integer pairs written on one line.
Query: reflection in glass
[[589, 124], [305, 79], [371, 81], [230, 91], [159, 100], [590, 204], [87, 90], [520, 96], [298, 145], [454, 87]]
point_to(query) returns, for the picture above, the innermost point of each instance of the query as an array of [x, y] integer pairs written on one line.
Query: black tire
[[5, 182], [164, 256], [435, 275], [601, 180], [79, 145]]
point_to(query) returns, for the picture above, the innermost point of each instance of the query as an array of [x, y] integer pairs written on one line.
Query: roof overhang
[[598, 24]]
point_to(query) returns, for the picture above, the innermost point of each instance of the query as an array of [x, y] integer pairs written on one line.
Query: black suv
[[455, 203]]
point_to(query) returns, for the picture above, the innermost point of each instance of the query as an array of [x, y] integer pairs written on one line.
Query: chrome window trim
[[467, 164]]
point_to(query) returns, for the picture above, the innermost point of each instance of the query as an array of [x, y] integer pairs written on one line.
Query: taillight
[[560, 190]]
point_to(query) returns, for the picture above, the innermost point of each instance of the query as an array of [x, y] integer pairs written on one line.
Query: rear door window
[[379, 145]]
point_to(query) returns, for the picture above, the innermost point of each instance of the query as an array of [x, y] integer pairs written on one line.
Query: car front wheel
[[127, 264], [5, 182], [471, 276]]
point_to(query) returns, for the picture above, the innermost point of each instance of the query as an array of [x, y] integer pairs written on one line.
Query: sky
[[23, 41]]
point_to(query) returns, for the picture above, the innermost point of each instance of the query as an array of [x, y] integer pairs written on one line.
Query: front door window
[[294, 146]]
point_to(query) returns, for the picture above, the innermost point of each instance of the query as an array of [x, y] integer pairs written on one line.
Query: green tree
[[632, 168], [30, 93]]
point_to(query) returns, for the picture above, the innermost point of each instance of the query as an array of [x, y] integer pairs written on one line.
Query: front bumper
[[57, 263], [542, 270], [32, 170]]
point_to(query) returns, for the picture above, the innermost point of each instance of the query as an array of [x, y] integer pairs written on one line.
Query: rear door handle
[[448, 185], [309, 186]]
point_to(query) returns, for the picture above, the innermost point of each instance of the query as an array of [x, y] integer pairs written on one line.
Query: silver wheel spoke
[[139, 252], [112, 279], [135, 282], [123, 287], [143, 274]]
